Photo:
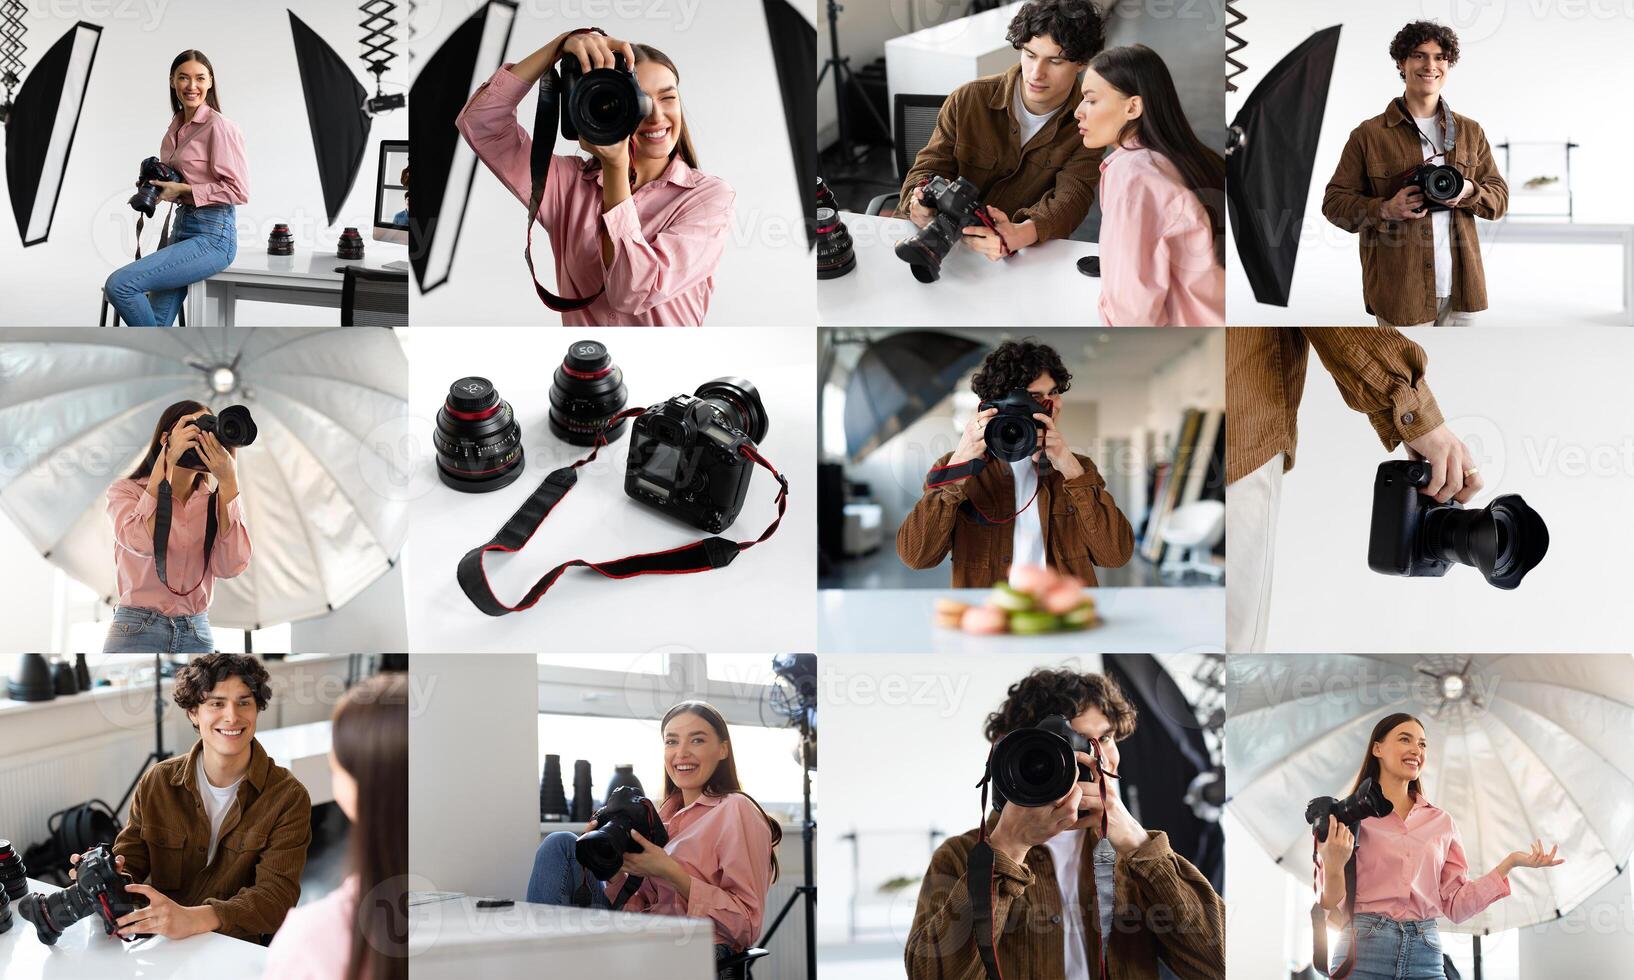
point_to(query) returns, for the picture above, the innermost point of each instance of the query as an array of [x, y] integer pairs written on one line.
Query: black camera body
[[686, 455], [955, 206], [1440, 182], [604, 106], [1013, 434], [1036, 766], [233, 425], [601, 851], [146, 197], [98, 889], [1413, 535], [1368, 801]]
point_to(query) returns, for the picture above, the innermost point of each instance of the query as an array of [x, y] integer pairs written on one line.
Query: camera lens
[[1443, 183], [478, 443], [235, 426], [586, 391], [601, 852], [1504, 540], [1033, 767], [740, 402], [607, 106], [835, 255], [1011, 437], [13, 875]]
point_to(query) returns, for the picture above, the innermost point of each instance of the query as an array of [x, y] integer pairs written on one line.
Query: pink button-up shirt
[[667, 236], [130, 506], [1157, 247], [725, 845], [1415, 868], [209, 151]]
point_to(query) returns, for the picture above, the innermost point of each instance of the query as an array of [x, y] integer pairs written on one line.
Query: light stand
[[843, 82], [158, 754], [808, 833]]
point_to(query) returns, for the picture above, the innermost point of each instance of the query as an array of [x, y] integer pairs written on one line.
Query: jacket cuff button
[[1408, 418]]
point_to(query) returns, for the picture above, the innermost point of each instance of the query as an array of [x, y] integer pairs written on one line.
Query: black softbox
[[794, 49], [41, 126], [334, 107]]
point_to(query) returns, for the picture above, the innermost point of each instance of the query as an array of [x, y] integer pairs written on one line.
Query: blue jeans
[[557, 872], [1391, 950], [145, 631], [203, 241]]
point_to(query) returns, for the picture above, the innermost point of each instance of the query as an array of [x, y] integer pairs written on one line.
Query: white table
[[1148, 620], [304, 751], [307, 278], [454, 940], [85, 951], [1038, 286], [939, 59], [1567, 233]]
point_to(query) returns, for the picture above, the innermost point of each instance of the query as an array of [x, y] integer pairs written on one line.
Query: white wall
[[124, 118], [1497, 83], [474, 773], [1546, 416], [733, 107]]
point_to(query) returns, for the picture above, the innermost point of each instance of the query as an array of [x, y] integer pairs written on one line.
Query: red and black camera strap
[[161, 537], [699, 556], [940, 476]]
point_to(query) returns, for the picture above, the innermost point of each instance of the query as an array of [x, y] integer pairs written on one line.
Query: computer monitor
[[391, 198]]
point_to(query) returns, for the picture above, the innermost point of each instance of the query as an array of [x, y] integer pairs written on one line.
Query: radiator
[[787, 960], [36, 784]]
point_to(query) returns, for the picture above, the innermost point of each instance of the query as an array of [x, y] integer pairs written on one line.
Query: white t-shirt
[[1065, 849], [1030, 124], [1441, 221], [1027, 546], [217, 801]]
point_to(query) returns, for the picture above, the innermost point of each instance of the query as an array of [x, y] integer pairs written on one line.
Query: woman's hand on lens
[[170, 190], [595, 51], [1336, 849], [614, 157], [651, 861], [1537, 857], [184, 435], [1453, 473], [1056, 448], [973, 440], [217, 459]]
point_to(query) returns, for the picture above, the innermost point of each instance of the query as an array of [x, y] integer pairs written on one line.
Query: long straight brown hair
[[683, 145], [724, 780], [1163, 128], [210, 98], [167, 421], [1370, 762], [371, 744]]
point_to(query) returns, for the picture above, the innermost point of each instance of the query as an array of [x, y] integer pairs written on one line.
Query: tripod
[[808, 833], [158, 754], [843, 83]]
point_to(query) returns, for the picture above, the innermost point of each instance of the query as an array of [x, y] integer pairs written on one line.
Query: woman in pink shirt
[[721, 858], [170, 615], [1162, 244], [1410, 868], [637, 226], [336, 937], [207, 149]]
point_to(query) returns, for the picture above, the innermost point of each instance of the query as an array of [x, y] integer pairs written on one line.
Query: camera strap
[[546, 117], [699, 556], [981, 883], [1449, 128], [941, 476], [1319, 917], [161, 537]]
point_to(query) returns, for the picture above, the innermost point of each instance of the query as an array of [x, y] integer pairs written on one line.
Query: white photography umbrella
[[78, 407], [1520, 747]]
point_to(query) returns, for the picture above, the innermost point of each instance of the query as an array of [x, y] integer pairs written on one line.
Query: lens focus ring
[[477, 439]]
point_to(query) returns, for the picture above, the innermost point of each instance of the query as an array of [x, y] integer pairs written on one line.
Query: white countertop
[[1147, 620], [252, 263], [1038, 286], [304, 751], [84, 952]]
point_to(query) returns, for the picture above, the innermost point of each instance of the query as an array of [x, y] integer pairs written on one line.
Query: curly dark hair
[[1076, 25], [1068, 693], [1410, 37], [1014, 364], [199, 677]]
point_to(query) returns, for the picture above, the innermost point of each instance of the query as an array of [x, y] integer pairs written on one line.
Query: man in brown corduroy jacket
[[1051, 510], [1045, 906], [216, 838]]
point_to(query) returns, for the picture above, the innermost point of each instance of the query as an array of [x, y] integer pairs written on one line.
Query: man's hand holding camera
[[1056, 448], [973, 440], [1021, 828], [1005, 234], [161, 917]]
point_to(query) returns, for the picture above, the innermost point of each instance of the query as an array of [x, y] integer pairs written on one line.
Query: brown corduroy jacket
[[1084, 527], [1398, 257], [1378, 370], [1051, 180], [255, 878], [1165, 910]]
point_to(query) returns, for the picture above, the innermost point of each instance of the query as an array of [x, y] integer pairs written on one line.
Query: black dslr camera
[[601, 852], [605, 106], [686, 454], [1413, 535], [1368, 801], [1440, 183], [97, 890], [955, 206], [146, 197], [1013, 434], [233, 426], [1036, 766]]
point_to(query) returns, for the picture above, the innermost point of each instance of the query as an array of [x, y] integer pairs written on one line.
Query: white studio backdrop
[[126, 110], [1526, 284], [1545, 414], [760, 602], [734, 109]]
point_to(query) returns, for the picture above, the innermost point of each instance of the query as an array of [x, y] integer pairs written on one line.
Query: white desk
[[307, 278], [1567, 233], [455, 940], [304, 751], [1148, 620], [85, 951], [937, 60], [1039, 286]]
